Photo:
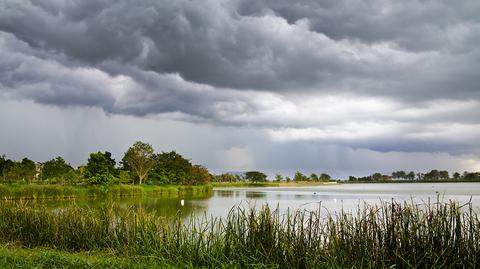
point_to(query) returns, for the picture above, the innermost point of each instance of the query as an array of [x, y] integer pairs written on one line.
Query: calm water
[[332, 198]]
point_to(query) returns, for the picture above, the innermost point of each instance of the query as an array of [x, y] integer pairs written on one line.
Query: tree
[[200, 175], [226, 177], [299, 177], [377, 177], [100, 168], [314, 177], [17, 171], [170, 168], [411, 175], [352, 178], [443, 175], [29, 169], [325, 177], [255, 176], [55, 168], [456, 175], [5, 166], [139, 158], [399, 175], [278, 177], [432, 175]]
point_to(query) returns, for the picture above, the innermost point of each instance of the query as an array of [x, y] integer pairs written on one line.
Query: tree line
[[433, 175], [139, 165], [257, 176]]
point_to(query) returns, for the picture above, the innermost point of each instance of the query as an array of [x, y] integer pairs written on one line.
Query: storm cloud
[[366, 77]]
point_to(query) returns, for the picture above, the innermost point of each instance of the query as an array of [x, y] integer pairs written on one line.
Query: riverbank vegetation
[[245, 179], [141, 172], [432, 176], [385, 236], [35, 191], [139, 165]]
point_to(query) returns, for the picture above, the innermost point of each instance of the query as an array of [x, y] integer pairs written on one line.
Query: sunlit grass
[[386, 235], [34, 191]]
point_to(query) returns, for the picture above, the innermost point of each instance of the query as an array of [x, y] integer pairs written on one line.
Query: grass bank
[[34, 191], [391, 235]]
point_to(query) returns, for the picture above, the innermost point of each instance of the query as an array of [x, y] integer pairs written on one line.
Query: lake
[[331, 197]]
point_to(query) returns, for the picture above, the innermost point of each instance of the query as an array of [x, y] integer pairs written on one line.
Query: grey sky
[[337, 86]]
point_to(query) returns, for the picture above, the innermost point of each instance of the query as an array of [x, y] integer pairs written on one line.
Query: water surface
[[331, 198]]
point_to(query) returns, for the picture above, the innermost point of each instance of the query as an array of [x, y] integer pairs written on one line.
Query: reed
[[34, 191], [392, 234]]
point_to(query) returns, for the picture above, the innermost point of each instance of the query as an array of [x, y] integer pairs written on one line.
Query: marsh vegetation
[[405, 234]]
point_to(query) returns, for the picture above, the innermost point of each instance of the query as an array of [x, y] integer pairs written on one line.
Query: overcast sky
[[336, 86]]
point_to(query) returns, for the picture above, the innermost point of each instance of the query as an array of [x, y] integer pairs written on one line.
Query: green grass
[[34, 191], [16, 257], [393, 235]]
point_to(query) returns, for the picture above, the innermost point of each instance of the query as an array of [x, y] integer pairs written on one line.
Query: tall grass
[[33, 191], [394, 235]]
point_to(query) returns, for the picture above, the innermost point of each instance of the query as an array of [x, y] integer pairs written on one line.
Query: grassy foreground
[[34, 191], [391, 235], [16, 257]]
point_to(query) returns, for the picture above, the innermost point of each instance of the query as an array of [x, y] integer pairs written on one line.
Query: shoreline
[[35, 191]]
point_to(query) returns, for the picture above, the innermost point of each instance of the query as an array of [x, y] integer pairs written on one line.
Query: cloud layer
[[369, 75]]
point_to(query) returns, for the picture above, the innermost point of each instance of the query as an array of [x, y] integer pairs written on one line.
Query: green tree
[[377, 177], [299, 177], [278, 177], [324, 177], [171, 168], [226, 177], [443, 175], [140, 159], [55, 168], [255, 176], [432, 175], [5, 165], [456, 175], [27, 169], [24, 170], [313, 177], [100, 168]]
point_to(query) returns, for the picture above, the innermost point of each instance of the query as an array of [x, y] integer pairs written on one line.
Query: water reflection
[[255, 195], [331, 199], [225, 193]]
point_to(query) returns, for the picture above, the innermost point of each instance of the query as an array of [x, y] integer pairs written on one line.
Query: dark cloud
[[329, 46], [387, 76], [412, 24]]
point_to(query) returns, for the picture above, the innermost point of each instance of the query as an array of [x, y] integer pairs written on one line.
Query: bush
[[101, 179]]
